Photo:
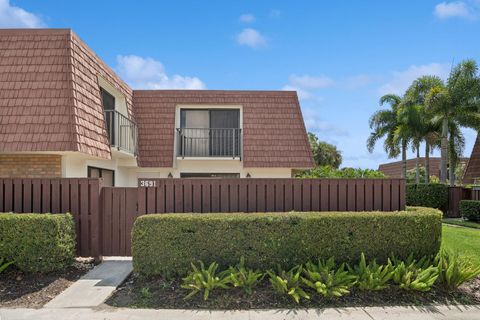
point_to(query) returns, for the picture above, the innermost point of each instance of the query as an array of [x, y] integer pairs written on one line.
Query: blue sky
[[341, 56]]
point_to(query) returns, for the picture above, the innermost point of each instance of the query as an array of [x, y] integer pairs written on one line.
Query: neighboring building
[[65, 113], [472, 171], [394, 169]]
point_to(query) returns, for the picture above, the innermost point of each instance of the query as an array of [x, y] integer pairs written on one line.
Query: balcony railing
[[122, 131], [210, 142]]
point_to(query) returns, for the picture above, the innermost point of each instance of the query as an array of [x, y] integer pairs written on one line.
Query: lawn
[[466, 241], [461, 222]]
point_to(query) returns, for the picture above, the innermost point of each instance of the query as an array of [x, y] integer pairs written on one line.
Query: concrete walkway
[[95, 287], [375, 313]]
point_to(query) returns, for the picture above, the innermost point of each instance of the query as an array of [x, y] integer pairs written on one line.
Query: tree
[[324, 154], [429, 131], [455, 104], [384, 124]]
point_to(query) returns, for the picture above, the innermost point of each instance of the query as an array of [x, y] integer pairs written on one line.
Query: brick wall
[[30, 166]]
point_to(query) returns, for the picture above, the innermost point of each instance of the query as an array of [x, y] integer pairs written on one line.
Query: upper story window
[[210, 133], [122, 132]]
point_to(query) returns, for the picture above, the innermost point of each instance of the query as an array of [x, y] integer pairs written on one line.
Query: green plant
[[347, 173], [470, 209], [433, 195], [166, 244], [245, 278], [205, 279], [145, 293], [372, 276], [4, 264], [415, 275], [455, 270], [328, 280], [37, 242], [288, 282]]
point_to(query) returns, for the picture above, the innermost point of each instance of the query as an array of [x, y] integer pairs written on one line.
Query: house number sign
[[147, 183]]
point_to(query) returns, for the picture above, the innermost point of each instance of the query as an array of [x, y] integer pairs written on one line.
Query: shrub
[[242, 277], [205, 279], [288, 282], [470, 209], [346, 173], [327, 279], [415, 275], [372, 276], [166, 244], [454, 270], [432, 195], [37, 242]]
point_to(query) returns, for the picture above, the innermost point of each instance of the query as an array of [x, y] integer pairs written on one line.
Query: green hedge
[[166, 244], [470, 209], [37, 242], [432, 195]]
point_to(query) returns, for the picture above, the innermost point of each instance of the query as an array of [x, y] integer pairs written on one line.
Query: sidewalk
[[375, 313]]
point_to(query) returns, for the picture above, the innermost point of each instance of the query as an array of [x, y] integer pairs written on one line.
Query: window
[[108, 101], [208, 175], [107, 175], [210, 133]]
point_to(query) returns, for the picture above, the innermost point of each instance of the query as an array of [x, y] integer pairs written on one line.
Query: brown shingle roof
[[273, 127], [394, 169], [49, 93], [472, 172]]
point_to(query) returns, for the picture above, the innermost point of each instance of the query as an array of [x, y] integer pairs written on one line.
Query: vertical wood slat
[[27, 195]]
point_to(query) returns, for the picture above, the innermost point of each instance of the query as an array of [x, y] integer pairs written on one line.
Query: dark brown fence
[[80, 197], [104, 216], [457, 194], [270, 195]]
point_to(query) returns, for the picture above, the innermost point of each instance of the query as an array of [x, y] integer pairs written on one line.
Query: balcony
[[209, 143], [122, 132]]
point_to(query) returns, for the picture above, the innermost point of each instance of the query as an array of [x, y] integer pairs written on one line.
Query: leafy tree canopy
[[324, 154]]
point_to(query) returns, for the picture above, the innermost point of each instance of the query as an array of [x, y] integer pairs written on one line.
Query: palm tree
[[430, 131], [384, 123], [455, 104], [411, 128]]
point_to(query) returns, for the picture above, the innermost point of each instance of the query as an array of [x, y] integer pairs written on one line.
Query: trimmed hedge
[[470, 209], [432, 195], [37, 242], [166, 244]]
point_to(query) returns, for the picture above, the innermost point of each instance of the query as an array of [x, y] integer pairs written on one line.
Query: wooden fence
[[80, 197], [457, 194], [104, 216]]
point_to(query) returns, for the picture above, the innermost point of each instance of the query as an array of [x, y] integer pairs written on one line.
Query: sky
[[340, 56]]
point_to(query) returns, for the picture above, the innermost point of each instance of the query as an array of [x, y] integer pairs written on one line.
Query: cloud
[[310, 82], [307, 85], [358, 81], [401, 80], [251, 38], [15, 17], [148, 73], [456, 9], [247, 18]]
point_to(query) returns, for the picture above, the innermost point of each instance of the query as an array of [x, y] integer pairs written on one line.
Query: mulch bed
[[19, 290], [163, 294]]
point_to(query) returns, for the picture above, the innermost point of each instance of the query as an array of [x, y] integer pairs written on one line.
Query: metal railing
[[209, 142], [122, 131]]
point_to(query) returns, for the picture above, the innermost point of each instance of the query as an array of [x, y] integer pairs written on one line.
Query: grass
[[465, 241], [462, 222]]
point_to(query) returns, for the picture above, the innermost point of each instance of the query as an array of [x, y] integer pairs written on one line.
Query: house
[[472, 171], [394, 169], [65, 113]]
